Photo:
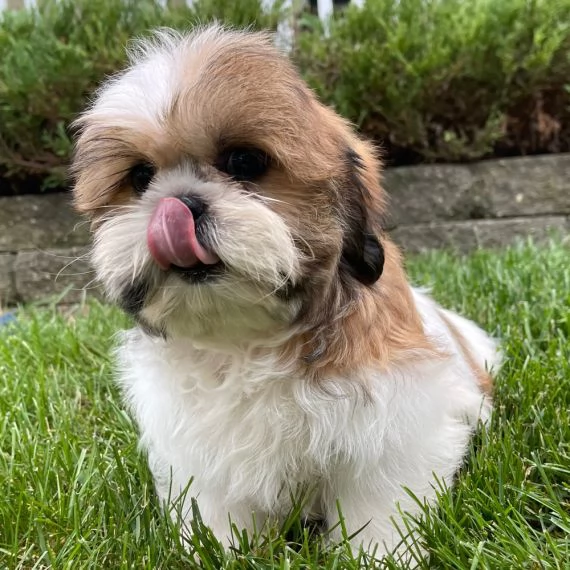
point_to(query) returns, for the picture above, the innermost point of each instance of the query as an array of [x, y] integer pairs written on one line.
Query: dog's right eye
[[141, 176], [243, 164]]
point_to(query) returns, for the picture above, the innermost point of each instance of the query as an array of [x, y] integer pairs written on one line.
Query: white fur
[[250, 432], [158, 69]]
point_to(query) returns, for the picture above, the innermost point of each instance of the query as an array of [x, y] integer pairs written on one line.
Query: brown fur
[[345, 325], [373, 329], [484, 379]]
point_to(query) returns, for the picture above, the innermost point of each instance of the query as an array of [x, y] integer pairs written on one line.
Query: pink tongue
[[171, 237]]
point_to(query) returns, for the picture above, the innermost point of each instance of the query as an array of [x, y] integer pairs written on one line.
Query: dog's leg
[[220, 517], [372, 495], [214, 510], [364, 515]]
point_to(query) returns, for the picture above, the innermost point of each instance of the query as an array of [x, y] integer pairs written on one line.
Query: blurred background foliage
[[429, 80]]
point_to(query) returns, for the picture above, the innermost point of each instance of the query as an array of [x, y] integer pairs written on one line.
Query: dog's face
[[226, 202]]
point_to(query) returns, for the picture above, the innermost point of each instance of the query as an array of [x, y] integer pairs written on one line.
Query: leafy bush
[[53, 57], [448, 80], [431, 80]]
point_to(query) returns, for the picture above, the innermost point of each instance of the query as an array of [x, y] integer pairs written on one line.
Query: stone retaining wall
[[487, 204], [42, 249]]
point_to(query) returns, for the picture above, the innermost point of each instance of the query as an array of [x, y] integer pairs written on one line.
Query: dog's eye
[[243, 163], [141, 176]]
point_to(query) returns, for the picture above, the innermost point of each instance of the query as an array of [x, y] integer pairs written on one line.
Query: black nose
[[195, 205]]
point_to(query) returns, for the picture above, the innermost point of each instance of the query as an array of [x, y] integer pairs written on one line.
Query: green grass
[[75, 493]]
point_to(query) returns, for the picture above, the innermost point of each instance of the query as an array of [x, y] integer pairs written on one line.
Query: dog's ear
[[362, 253]]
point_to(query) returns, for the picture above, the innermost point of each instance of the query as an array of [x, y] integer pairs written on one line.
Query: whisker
[[59, 273], [59, 256]]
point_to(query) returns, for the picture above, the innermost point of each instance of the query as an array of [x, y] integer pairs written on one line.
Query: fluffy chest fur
[[249, 430]]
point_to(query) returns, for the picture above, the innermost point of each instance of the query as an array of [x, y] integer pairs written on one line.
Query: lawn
[[75, 493]]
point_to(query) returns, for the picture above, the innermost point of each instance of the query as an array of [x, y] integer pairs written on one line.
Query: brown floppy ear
[[362, 253]]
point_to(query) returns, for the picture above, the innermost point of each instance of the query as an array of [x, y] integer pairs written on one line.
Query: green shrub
[[52, 58], [432, 80], [448, 79]]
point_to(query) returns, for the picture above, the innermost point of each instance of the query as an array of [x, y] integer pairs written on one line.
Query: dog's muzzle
[[171, 234]]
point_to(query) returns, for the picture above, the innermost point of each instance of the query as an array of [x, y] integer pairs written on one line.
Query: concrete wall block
[[42, 221], [464, 236], [527, 186], [43, 275], [7, 290]]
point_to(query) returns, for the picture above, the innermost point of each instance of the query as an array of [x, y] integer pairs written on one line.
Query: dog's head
[[226, 202]]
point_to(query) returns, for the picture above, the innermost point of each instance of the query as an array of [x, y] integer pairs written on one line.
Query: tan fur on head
[[303, 244]]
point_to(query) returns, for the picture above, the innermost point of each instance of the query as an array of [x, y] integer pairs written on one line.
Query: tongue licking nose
[[171, 237]]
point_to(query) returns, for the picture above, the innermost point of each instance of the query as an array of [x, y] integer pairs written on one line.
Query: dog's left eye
[[244, 164], [141, 176]]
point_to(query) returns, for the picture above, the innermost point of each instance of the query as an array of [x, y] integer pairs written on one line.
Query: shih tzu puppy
[[278, 343]]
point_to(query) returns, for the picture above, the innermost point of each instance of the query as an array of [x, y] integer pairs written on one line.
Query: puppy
[[278, 343]]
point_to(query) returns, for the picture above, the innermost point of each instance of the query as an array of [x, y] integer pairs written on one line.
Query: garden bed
[[432, 82]]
